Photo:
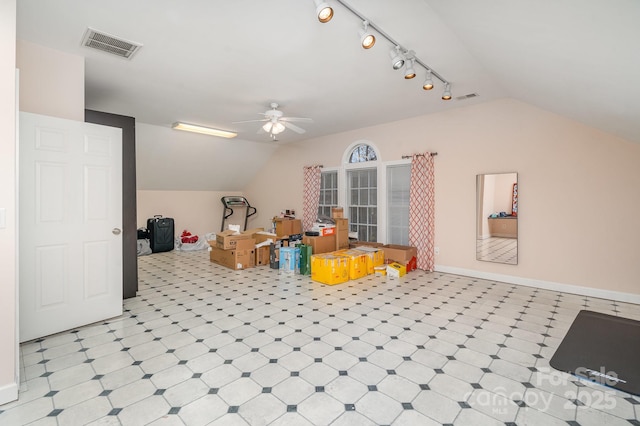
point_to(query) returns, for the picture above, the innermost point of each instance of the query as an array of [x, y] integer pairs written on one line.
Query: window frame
[[381, 178]]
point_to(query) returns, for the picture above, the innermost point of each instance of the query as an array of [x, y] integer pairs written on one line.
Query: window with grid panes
[[328, 193], [362, 194], [398, 185]]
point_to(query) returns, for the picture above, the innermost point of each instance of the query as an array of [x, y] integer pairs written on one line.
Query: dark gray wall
[[129, 219]]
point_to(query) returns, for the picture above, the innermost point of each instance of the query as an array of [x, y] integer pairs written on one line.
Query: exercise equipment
[[602, 348], [229, 202]]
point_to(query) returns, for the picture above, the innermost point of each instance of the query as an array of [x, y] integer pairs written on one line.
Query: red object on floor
[[187, 238]]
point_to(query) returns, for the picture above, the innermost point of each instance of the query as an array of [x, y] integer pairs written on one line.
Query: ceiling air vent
[[110, 44], [465, 97]]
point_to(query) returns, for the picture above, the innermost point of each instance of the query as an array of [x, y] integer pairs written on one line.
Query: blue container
[[290, 260]]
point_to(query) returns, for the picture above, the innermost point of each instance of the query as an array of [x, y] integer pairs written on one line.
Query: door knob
[[116, 231]]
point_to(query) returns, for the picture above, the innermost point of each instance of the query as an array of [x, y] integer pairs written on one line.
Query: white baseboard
[[547, 285], [8, 393]]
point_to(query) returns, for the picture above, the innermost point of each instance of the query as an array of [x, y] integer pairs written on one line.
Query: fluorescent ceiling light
[[204, 130]]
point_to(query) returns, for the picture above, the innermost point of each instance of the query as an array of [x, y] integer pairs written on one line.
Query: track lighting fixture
[[400, 57], [367, 40], [409, 72], [397, 58], [446, 95], [324, 11], [428, 81]]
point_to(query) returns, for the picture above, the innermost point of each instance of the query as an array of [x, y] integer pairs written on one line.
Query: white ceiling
[[213, 62]]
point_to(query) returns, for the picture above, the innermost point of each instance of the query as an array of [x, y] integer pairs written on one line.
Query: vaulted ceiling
[[214, 62]]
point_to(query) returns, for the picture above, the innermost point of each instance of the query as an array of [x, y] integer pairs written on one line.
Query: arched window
[[362, 153], [362, 191]]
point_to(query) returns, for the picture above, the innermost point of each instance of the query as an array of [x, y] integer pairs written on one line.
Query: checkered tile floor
[[497, 249], [202, 344]]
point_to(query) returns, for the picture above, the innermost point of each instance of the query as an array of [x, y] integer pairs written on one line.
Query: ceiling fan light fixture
[[277, 128], [367, 39], [428, 81], [323, 11], [203, 130], [397, 58], [446, 95]]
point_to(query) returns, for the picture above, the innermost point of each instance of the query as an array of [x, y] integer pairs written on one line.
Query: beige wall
[[51, 82], [200, 212], [577, 187], [8, 273]]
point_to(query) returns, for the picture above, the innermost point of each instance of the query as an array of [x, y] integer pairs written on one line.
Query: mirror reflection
[[497, 218]]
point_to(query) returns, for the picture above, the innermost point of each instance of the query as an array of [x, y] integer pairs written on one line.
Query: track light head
[[446, 95], [323, 11], [428, 81], [409, 72], [397, 58], [367, 39]]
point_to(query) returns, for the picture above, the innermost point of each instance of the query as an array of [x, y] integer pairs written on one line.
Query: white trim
[[546, 285], [8, 393], [17, 234]]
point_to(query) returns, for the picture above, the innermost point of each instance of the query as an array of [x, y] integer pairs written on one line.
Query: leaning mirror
[[497, 218]]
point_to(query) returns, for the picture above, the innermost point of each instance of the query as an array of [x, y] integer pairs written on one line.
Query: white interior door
[[70, 221]]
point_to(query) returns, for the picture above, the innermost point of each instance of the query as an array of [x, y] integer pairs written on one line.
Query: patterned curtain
[[422, 209], [311, 196]]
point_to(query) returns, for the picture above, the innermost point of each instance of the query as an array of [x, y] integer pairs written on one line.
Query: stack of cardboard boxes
[[233, 250], [328, 258]]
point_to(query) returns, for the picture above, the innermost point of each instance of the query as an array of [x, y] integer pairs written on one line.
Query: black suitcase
[[161, 234]]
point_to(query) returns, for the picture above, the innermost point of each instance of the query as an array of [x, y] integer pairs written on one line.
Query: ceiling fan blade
[[294, 127], [260, 130], [249, 121], [298, 119]]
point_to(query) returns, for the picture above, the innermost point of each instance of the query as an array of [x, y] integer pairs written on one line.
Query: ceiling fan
[[275, 122]]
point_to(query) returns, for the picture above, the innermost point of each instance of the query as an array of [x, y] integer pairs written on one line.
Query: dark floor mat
[[602, 348]]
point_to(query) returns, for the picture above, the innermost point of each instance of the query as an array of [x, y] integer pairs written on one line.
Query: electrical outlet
[[436, 250]]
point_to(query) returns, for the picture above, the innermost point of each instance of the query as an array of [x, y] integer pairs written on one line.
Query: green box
[[305, 259]]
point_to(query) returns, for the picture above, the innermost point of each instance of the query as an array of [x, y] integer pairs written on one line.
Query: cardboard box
[[357, 262], [396, 270], [290, 260], [330, 269], [251, 232], [285, 227], [320, 244], [400, 254], [227, 240], [342, 234], [337, 212], [354, 244], [375, 257], [262, 255], [234, 259], [263, 236], [342, 224]]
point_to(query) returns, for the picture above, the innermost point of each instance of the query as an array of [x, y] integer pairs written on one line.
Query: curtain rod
[[311, 167], [433, 154]]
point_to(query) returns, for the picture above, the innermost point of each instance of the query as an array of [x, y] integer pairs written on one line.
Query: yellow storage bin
[[375, 257], [358, 262], [329, 269]]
